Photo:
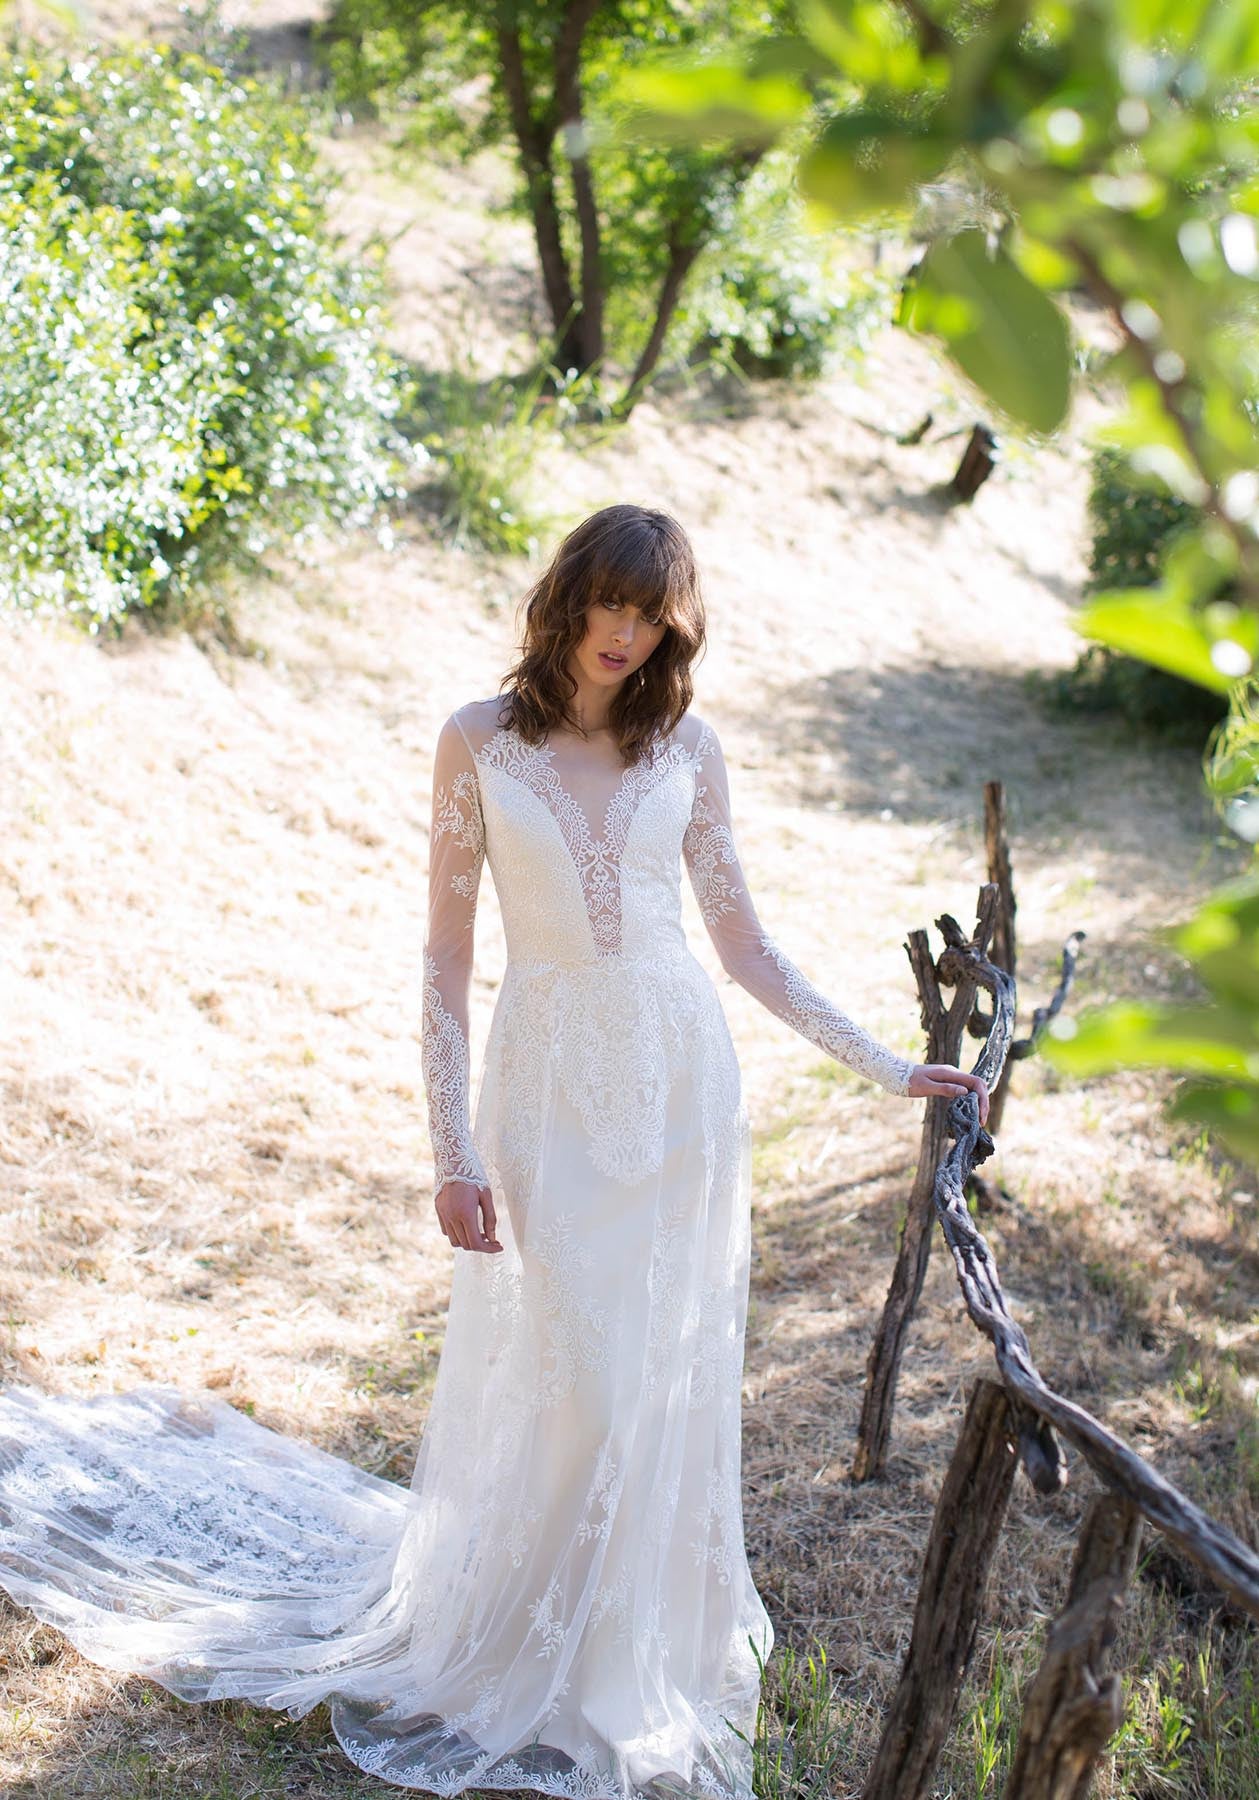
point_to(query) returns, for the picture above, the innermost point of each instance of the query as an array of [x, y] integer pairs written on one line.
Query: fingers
[[488, 1240], [952, 1083], [457, 1212]]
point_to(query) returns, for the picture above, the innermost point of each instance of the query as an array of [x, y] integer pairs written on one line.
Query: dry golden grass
[[213, 1161]]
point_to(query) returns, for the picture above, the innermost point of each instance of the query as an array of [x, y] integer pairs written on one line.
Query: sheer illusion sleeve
[[456, 855], [748, 954]]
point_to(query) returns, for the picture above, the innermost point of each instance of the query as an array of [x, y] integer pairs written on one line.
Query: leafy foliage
[[488, 438], [773, 295], [631, 237], [193, 367]]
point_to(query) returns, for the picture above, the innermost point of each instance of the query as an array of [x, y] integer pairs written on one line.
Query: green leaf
[[1159, 628], [1199, 1040], [1215, 645], [1002, 330], [1230, 1112], [687, 103], [868, 161]]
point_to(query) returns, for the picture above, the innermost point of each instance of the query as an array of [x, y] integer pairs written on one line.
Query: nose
[[624, 633]]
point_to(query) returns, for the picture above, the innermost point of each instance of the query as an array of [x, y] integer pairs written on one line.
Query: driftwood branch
[[1074, 1706], [964, 1535]]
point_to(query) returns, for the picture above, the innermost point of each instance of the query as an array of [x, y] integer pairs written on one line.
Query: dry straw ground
[[214, 1168]]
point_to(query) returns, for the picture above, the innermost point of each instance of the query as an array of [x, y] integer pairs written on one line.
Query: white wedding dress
[[562, 1600]]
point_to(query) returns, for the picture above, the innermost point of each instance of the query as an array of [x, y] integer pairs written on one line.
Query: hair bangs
[[641, 557]]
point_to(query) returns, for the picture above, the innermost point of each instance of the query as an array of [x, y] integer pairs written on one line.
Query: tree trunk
[[568, 112], [681, 257], [533, 139]]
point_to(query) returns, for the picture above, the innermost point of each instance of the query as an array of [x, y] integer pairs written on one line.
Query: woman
[[563, 1601]]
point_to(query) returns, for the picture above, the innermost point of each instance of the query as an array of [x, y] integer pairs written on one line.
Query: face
[[618, 640]]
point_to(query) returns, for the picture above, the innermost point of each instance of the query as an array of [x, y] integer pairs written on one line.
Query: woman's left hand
[[943, 1078]]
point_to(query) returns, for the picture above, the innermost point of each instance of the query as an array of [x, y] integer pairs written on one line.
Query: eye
[[612, 605]]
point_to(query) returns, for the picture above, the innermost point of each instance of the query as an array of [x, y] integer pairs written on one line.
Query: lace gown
[[562, 1601]]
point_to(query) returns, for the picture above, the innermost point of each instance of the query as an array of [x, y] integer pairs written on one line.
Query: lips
[[612, 662]]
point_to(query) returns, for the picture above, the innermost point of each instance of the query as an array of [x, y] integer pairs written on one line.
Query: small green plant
[[990, 1721], [803, 1732], [488, 440], [1155, 1729]]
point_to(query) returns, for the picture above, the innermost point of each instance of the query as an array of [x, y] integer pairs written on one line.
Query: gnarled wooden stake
[[943, 1027], [964, 1534], [1074, 1705]]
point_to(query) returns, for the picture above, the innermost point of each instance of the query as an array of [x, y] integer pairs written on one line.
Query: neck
[[590, 706]]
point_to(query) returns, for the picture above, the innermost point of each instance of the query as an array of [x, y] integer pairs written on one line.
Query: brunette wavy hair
[[644, 558]]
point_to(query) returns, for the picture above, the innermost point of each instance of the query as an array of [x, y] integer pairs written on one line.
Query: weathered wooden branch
[[943, 1028], [917, 432], [1022, 1047], [986, 1191], [964, 1534], [1074, 1703], [1004, 951], [1074, 1706]]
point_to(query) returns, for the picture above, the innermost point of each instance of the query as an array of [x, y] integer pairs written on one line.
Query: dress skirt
[[562, 1600]]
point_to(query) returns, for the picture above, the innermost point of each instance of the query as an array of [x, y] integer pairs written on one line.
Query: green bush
[[1134, 524], [188, 371], [772, 296], [493, 442]]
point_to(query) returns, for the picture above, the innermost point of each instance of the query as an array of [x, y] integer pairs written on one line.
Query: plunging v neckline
[[598, 847], [597, 860]]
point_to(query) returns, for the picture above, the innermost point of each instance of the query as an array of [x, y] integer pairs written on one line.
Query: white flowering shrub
[[189, 372]]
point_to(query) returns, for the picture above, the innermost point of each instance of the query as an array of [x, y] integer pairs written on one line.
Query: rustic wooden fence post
[[978, 461], [1074, 1706], [1004, 950], [964, 1535], [943, 1027]]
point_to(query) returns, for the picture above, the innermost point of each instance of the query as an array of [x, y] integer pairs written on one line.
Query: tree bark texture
[[964, 1534], [1074, 1706]]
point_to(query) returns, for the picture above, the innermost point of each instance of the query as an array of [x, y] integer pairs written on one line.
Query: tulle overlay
[[562, 1600]]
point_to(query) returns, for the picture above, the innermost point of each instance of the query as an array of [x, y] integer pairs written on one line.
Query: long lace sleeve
[[456, 855], [748, 954]]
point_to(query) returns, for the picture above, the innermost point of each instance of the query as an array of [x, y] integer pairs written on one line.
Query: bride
[[562, 1601]]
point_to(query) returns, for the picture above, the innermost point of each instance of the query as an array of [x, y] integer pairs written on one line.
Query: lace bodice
[[585, 857]]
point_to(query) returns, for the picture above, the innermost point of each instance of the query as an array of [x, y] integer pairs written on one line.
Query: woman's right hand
[[457, 1202]]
